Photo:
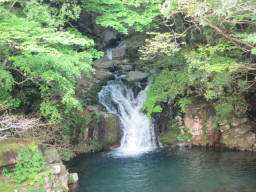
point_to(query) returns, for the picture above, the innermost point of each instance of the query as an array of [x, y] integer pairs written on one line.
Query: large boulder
[[102, 132], [136, 76], [118, 52], [105, 63], [109, 36], [9, 152], [103, 74], [72, 178], [103, 37], [51, 155]]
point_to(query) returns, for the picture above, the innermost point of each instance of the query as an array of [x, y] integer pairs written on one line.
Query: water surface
[[176, 170]]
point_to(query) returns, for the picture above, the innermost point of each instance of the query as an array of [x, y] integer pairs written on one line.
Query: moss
[[171, 136], [92, 94], [112, 131], [7, 186], [9, 151]]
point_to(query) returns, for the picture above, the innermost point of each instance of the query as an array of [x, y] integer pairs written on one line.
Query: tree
[[34, 52], [124, 15]]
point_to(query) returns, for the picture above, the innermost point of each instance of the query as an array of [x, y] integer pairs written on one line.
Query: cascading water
[[138, 130]]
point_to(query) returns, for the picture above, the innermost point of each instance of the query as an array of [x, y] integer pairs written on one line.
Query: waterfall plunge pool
[[138, 165], [172, 170]]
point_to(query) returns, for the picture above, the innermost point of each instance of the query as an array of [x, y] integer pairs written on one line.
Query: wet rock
[[101, 64], [73, 178], [118, 53], [103, 74], [126, 68], [106, 64], [136, 76], [103, 131]]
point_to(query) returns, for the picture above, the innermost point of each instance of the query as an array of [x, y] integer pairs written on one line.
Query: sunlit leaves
[[50, 57], [122, 15], [160, 44]]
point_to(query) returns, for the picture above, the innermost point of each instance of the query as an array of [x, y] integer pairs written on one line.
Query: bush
[[30, 164]]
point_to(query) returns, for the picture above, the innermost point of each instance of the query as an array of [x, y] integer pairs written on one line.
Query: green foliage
[[162, 44], [186, 138], [48, 58], [167, 85], [121, 15], [54, 13], [207, 72], [66, 154], [183, 102], [166, 140], [30, 164], [228, 15]]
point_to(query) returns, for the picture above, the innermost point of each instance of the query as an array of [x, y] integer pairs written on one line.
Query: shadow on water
[[175, 170]]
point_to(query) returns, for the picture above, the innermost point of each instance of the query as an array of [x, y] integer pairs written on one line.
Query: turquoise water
[[176, 170]]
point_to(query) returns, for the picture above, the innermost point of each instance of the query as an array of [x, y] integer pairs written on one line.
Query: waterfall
[[138, 130]]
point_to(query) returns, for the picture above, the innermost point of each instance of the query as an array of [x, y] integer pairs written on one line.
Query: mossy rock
[[102, 130], [9, 151], [112, 132]]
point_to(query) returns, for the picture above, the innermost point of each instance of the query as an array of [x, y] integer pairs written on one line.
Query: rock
[[112, 132], [126, 68], [200, 120], [103, 74], [56, 169], [224, 127], [103, 129], [9, 152], [109, 36], [106, 64], [125, 62], [179, 120], [59, 180], [73, 178], [238, 121], [194, 124], [103, 37], [118, 52], [51, 155], [103, 63], [136, 76], [241, 142]]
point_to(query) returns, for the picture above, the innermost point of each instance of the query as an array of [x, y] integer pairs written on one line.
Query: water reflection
[[176, 170]]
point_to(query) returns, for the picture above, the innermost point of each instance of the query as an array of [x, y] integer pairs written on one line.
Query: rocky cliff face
[[200, 127]]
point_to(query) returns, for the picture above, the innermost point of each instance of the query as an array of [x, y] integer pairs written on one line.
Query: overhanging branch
[[220, 31]]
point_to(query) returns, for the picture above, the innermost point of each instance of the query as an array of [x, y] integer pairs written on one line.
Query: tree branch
[[240, 22], [220, 31]]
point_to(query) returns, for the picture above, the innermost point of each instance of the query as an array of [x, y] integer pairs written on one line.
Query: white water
[[138, 130]]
